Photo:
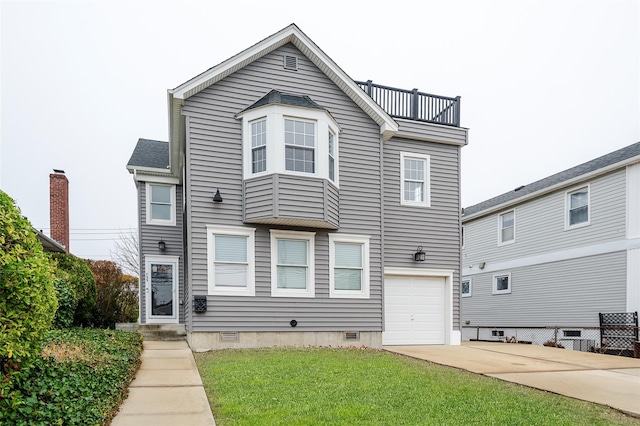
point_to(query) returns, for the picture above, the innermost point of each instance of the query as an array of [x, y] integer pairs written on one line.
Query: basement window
[[572, 333]]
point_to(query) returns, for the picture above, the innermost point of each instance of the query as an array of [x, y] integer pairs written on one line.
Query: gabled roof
[[149, 154], [291, 34], [600, 165]]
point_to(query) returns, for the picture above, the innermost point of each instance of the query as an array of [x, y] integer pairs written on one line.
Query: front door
[[161, 289]]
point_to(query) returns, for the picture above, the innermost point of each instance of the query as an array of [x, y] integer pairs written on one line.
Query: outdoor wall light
[[162, 246], [217, 197], [420, 255]]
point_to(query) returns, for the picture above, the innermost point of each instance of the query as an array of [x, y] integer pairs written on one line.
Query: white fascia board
[[168, 179], [560, 185], [150, 170], [290, 34]]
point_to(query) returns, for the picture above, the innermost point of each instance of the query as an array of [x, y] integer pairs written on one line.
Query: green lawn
[[316, 386]]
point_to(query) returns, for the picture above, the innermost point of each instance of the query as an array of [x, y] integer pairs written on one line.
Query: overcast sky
[[545, 85]]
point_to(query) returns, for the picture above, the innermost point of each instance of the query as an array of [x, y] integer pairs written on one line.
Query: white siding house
[[555, 252]]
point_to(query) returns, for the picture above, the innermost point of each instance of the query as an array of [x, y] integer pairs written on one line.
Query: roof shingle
[[582, 169]]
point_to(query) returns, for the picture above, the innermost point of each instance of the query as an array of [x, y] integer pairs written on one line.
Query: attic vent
[[291, 62], [351, 335], [229, 336]]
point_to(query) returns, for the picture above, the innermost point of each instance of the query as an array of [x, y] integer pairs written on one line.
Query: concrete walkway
[[167, 389], [603, 379]]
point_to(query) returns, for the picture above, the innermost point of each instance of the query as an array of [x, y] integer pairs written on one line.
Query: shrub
[[117, 299], [27, 298], [67, 304], [80, 279]]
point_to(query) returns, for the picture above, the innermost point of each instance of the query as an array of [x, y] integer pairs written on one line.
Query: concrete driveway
[[603, 379]]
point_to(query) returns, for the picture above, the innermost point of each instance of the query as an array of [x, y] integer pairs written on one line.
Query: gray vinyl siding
[[540, 224], [567, 293], [277, 197], [410, 129], [435, 228], [214, 160], [149, 237]]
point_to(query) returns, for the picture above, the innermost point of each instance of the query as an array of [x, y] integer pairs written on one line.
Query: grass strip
[[325, 386]]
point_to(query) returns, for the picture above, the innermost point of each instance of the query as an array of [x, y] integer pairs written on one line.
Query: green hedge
[[79, 278], [80, 378], [27, 297]]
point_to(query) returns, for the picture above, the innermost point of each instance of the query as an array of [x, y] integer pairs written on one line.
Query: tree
[[117, 299], [127, 253], [28, 300]]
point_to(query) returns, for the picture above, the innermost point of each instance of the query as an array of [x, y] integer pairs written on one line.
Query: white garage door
[[414, 310]]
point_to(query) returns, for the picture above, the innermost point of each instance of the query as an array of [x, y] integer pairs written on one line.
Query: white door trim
[[173, 260]]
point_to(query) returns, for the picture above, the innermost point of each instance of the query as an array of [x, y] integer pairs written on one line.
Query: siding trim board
[[557, 256]]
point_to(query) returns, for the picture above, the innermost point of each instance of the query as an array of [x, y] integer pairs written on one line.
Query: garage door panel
[[414, 310]]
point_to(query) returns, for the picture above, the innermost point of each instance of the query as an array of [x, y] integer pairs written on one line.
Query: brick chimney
[[59, 207]]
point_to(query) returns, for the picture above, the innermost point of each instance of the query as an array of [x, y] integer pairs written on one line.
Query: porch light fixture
[[162, 246], [420, 255], [217, 197]]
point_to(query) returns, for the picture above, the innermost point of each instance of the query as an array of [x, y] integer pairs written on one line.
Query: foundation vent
[[229, 336], [291, 62], [351, 335]]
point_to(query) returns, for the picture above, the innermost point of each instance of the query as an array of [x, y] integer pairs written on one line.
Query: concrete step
[[162, 332]]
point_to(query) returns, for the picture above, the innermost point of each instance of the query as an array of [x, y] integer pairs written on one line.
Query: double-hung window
[[231, 261], [259, 146], [332, 156], [577, 202], [161, 200], [300, 143], [286, 139], [507, 227], [292, 264], [502, 284], [414, 180], [349, 266]]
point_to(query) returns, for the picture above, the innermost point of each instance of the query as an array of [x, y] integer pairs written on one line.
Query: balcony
[[414, 105]]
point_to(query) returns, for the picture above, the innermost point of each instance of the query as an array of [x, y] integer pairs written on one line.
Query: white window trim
[[175, 261], [427, 186], [314, 148], [150, 221], [505, 243], [250, 289], [310, 291], [252, 148], [275, 115], [363, 293], [495, 284], [470, 287], [567, 204]]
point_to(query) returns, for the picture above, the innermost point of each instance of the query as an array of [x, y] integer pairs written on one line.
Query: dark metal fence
[[414, 105], [577, 338]]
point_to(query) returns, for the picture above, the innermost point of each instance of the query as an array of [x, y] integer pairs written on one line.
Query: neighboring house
[[288, 206], [555, 252]]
